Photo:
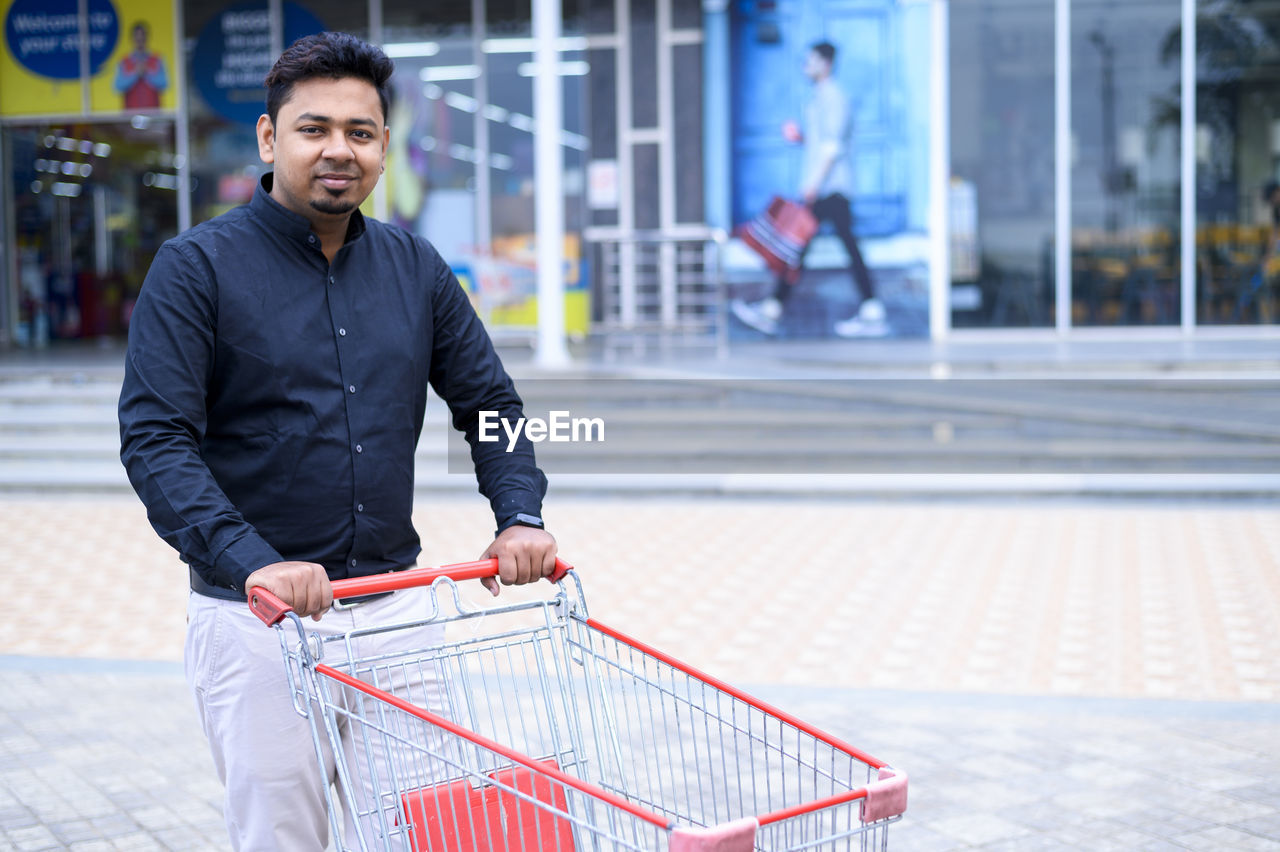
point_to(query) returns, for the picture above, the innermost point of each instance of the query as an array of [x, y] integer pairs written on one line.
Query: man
[[275, 383], [826, 186], [140, 76]]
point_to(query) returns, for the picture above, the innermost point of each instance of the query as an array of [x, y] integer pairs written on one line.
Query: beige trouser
[[262, 749]]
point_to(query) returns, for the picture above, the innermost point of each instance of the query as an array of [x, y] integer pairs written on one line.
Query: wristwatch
[[523, 519]]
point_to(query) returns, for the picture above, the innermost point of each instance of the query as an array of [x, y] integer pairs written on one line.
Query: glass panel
[[339, 15], [435, 165], [1237, 162], [92, 204], [1125, 175], [431, 169], [511, 117], [1002, 142], [228, 57], [511, 139], [688, 142], [222, 111]]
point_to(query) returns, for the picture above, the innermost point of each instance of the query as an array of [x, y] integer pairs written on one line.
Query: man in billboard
[[141, 76], [826, 187]]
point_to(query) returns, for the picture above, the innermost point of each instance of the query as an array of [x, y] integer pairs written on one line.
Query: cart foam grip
[[528, 825], [453, 817], [562, 568], [886, 797], [736, 836]]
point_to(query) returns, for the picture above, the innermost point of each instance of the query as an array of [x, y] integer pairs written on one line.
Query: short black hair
[[826, 50], [140, 25], [331, 55]]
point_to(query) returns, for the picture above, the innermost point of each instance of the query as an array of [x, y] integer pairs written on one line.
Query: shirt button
[[359, 507], [331, 281], [359, 449], [342, 332], [353, 563], [312, 239], [352, 388]]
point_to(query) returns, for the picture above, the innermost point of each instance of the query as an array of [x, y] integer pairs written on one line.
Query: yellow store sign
[[119, 58]]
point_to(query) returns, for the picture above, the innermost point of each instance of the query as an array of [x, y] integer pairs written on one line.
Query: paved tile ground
[[98, 756], [1052, 598], [1054, 675]]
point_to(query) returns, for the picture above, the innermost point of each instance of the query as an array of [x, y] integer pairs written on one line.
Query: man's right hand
[[302, 585], [791, 132]]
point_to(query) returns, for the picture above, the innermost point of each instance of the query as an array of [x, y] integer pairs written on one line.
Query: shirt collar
[[290, 224]]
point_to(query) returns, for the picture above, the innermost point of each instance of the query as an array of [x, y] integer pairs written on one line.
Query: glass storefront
[[1126, 157], [81, 227], [461, 167], [91, 203]]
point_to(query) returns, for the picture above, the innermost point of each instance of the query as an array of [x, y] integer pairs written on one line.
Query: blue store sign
[[233, 55], [44, 36]]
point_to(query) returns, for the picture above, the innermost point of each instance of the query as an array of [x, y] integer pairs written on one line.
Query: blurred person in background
[[826, 188]]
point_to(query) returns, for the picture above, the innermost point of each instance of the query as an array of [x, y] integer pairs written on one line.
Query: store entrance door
[[91, 204]]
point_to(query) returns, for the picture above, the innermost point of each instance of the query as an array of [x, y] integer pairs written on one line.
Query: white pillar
[[1062, 163], [940, 175], [548, 184], [1188, 166]]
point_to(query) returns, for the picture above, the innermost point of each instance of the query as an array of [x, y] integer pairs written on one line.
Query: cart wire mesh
[[534, 727]]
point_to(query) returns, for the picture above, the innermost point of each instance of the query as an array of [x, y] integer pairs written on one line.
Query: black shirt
[[272, 402]]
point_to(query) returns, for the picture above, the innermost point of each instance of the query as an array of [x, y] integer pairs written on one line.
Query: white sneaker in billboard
[[763, 315], [871, 310], [869, 321], [858, 327]]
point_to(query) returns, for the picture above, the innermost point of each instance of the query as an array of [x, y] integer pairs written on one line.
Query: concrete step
[[671, 436], [65, 479], [1224, 409], [60, 431]]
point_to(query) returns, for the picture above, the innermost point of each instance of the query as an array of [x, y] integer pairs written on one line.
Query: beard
[[332, 205]]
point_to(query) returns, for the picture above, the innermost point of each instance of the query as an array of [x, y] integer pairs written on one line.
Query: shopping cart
[[527, 725]]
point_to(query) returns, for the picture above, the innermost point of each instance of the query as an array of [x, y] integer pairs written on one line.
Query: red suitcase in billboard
[[780, 234]]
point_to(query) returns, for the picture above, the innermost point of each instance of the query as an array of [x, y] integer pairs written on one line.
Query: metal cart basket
[[530, 726]]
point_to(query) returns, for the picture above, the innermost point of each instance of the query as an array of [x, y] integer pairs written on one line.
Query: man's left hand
[[525, 555]]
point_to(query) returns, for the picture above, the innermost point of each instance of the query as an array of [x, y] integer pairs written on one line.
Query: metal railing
[[660, 288]]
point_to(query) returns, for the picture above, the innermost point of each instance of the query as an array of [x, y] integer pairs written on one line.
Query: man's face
[[139, 39], [815, 67], [328, 144]]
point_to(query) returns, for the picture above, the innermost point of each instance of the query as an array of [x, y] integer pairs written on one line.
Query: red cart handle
[[271, 610]]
